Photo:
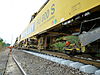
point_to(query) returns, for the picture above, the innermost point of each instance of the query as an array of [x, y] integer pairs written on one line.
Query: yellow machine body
[[56, 12]]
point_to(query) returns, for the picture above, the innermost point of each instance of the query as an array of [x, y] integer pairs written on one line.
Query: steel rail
[[19, 66]]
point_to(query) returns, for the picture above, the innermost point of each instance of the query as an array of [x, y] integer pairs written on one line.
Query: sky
[[15, 16]]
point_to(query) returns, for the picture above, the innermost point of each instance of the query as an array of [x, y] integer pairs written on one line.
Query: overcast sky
[[15, 16]]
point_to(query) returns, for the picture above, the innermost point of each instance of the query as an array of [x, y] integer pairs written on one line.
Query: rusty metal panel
[[90, 37]]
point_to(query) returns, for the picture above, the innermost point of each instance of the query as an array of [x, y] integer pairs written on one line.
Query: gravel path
[[34, 65], [3, 60]]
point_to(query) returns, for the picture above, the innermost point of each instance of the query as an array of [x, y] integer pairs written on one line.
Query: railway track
[[77, 58], [14, 67], [19, 66], [82, 64], [42, 64]]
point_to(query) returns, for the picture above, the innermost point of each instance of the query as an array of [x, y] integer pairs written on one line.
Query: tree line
[[3, 44]]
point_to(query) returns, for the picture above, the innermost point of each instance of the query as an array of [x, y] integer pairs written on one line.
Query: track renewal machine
[[70, 26]]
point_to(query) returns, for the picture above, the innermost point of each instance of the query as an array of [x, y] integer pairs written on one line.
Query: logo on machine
[[54, 21], [52, 9], [46, 15]]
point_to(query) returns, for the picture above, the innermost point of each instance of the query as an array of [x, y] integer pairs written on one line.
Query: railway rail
[[80, 58], [69, 61], [19, 66], [13, 67], [43, 64]]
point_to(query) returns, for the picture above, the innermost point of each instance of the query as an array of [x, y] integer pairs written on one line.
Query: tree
[[3, 44], [1, 40]]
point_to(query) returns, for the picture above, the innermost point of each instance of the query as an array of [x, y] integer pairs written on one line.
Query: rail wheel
[[67, 52]]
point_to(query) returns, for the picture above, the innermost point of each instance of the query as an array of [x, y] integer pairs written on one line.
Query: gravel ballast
[[34, 65]]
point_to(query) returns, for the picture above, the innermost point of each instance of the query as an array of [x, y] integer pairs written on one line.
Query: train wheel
[[67, 52], [73, 52]]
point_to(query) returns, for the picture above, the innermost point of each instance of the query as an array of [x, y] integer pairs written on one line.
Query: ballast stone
[[1, 73], [76, 65], [97, 72], [88, 69], [66, 62]]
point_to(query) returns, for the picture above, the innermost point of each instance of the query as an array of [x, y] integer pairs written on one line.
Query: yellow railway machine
[[58, 18]]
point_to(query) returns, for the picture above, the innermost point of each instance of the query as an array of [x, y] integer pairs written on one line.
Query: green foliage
[[3, 44], [61, 38], [68, 38], [59, 46], [7, 44], [1, 40], [97, 55], [61, 42], [72, 39]]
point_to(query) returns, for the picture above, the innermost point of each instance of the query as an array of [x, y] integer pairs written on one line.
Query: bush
[[72, 39], [61, 42], [59, 46]]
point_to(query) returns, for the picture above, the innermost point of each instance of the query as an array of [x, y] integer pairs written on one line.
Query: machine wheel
[[67, 52], [73, 52]]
